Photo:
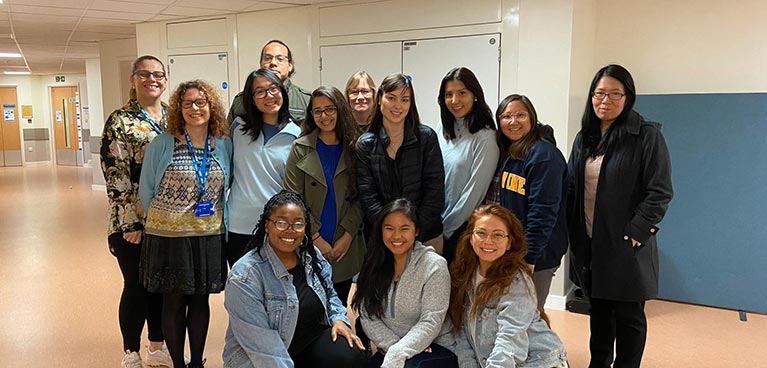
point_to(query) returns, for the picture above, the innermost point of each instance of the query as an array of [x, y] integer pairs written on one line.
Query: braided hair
[[283, 198]]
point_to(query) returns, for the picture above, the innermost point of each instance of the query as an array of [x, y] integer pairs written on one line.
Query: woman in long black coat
[[620, 191]]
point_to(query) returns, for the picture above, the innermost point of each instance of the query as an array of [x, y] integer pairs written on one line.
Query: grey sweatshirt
[[414, 309]]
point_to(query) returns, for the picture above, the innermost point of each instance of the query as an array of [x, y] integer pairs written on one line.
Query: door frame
[[51, 124], [18, 117]]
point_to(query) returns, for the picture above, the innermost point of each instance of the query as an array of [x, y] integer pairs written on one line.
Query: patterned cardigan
[[127, 132]]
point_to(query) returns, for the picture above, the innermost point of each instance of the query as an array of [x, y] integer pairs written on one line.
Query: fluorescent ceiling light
[[9, 54], [11, 72]]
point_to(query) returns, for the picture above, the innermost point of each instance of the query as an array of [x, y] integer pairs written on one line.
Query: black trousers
[[450, 245], [619, 324], [136, 304], [236, 247], [323, 352]]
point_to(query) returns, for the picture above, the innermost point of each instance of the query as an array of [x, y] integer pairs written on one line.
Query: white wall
[[543, 44], [686, 46], [111, 53]]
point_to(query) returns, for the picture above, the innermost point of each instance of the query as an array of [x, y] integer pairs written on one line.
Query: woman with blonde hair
[[361, 92]]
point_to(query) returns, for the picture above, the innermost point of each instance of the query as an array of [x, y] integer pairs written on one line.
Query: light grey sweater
[[414, 309]]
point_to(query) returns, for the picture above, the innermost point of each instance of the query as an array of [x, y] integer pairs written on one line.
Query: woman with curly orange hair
[[493, 307], [183, 183]]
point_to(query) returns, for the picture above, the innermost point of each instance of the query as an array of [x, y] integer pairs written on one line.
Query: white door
[[427, 62], [213, 68], [338, 63]]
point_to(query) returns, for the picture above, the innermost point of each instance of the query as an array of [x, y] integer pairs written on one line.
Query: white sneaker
[[131, 360], [160, 358]]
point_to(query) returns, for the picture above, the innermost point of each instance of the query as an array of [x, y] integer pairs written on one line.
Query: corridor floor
[[60, 286]]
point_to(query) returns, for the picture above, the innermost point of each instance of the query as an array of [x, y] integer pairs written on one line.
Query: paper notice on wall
[[10, 115], [58, 116]]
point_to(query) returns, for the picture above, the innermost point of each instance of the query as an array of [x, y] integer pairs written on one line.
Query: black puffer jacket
[[418, 171]]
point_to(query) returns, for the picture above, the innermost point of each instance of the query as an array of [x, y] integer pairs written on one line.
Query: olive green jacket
[[298, 99], [304, 174]]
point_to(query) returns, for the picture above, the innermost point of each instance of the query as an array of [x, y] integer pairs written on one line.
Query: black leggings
[[136, 304], [323, 352], [180, 312]]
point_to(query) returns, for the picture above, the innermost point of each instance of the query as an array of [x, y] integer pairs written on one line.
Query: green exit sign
[[59, 78]]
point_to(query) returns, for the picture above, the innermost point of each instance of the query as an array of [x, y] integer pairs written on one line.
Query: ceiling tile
[[127, 6], [192, 12], [265, 5], [138, 17], [229, 5], [47, 10], [79, 4], [43, 19]]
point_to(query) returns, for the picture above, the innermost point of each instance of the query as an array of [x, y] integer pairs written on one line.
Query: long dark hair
[[393, 82], [254, 118], [594, 144], [480, 116], [286, 197], [378, 268], [518, 150], [499, 276], [347, 131]]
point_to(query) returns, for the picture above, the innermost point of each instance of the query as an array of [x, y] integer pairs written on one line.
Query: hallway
[[60, 289]]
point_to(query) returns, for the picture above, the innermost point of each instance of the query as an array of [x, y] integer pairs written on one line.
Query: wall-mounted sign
[[10, 115], [58, 116], [60, 79], [26, 111]]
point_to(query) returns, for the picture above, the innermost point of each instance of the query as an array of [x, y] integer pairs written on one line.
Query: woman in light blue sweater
[[403, 293], [467, 139], [494, 313], [262, 141]]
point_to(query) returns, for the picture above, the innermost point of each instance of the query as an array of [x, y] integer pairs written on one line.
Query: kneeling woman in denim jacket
[[402, 293], [493, 306], [283, 311]]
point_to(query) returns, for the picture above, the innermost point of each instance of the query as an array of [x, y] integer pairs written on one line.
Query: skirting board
[[98, 188], [556, 302], [38, 163]]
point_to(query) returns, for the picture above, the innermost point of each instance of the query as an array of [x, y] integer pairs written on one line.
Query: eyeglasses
[[520, 116], [363, 91], [612, 95], [261, 92], [279, 59], [328, 111], [283, 225], [144, 74], [200, 102], [495, 237]]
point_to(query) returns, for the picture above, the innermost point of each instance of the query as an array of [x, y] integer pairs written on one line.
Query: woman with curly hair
[[283, 310], [321, 166], [493, 308], [183, 182]]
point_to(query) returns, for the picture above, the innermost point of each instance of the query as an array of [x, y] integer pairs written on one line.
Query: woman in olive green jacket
[[321, 167]]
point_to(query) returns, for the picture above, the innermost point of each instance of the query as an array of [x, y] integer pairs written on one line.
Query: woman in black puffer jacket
[[399, 157]]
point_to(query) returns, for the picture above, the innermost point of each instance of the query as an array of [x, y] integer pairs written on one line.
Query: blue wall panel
[[713, 241]]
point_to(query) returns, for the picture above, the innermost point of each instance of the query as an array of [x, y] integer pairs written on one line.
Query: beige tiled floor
[[59, 289]]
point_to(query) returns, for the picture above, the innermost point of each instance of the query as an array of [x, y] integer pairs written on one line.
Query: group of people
[[452, 237]]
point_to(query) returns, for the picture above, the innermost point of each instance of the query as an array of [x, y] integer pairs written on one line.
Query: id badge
[[204, 208]]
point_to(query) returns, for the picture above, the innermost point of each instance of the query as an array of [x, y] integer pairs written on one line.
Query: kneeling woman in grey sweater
[[403, 293]]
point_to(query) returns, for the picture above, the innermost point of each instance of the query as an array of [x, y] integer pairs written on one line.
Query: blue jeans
[[438, 358]]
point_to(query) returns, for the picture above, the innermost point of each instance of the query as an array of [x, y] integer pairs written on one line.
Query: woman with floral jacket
[[127, 133]]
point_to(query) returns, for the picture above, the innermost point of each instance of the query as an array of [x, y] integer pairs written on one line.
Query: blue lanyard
[[155, 126], [201, 168]]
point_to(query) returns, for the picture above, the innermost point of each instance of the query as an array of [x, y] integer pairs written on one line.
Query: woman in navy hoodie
[[532, 182]]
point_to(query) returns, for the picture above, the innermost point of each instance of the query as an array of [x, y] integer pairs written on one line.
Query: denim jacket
[[263, 308], [510, 333]]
